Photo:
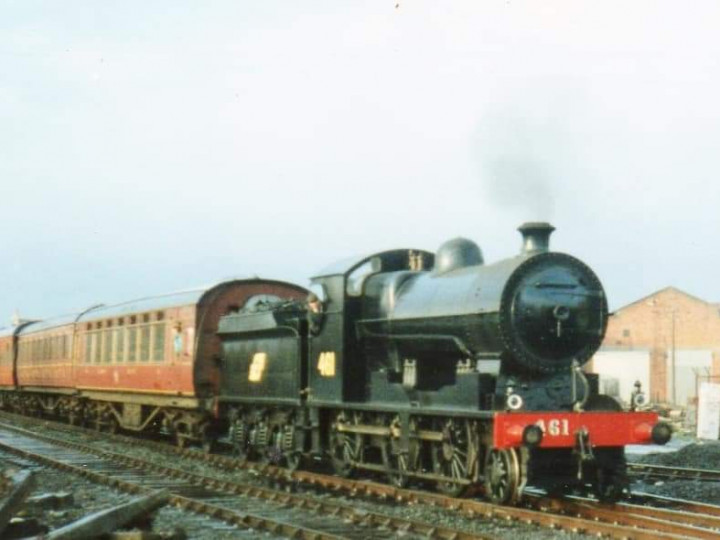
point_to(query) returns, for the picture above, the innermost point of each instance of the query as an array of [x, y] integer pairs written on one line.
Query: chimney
[[536, 237]]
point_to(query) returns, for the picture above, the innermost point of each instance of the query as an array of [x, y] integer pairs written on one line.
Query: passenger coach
[[145, 365]]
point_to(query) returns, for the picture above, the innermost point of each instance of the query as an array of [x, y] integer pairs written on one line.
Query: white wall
[[687, 363], [624, 366]]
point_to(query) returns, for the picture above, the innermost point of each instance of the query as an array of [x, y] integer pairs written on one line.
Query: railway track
[[685, 519], [655, 472], [574, 515], [242, 505]]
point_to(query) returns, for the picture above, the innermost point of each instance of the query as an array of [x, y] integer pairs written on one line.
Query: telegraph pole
[[673, 356]]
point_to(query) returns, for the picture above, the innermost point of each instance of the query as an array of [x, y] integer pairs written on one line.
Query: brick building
[[667, 341]]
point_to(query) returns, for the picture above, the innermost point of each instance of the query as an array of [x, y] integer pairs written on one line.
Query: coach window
[[145, 343], [97, 357], [158, 342], [132, 344], [119, 344], [88, 347], [107, 346]]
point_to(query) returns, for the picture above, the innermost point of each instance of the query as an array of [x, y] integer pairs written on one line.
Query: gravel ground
[[692, 454], [88, 497]]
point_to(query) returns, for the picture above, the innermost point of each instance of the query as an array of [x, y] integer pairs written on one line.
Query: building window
[[626, 332]]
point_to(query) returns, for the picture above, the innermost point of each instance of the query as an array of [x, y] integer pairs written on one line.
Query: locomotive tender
[[436, 368], [429, 368]]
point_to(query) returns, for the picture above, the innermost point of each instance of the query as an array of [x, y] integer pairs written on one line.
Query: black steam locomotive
[[435, 368]]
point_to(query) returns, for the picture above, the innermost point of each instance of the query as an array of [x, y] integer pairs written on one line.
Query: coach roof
[[46, 324], [160, 302]]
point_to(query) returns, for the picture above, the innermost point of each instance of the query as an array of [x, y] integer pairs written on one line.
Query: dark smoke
[[519, 181], [526, 154]]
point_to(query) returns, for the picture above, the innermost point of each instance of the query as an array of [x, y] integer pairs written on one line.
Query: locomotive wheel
[[281, 446], [610, 476], [112, 426], [207, 440], [240, 447], [455, 456], [608, 486], [181, 441], [398, 463], [346, 449], [502, 476]]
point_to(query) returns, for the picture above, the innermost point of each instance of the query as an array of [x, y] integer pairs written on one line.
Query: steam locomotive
[[436, 368], [425, 368]]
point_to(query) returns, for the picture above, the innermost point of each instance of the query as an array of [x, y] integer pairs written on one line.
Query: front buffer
[[563, 450]]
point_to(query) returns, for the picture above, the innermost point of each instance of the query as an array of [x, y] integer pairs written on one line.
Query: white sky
[[147, 147]]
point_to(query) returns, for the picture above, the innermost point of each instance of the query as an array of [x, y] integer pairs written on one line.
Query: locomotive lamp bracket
[[638, 400]]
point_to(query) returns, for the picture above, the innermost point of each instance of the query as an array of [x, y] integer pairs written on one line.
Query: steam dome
[[457, 253]]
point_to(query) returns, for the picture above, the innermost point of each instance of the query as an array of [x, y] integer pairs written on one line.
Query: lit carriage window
[[107, 346], [145, 343], [119, 345], [132, 344], [158, 342]]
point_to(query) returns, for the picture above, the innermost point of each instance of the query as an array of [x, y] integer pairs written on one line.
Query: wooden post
[[24, 482], [107, 521]]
